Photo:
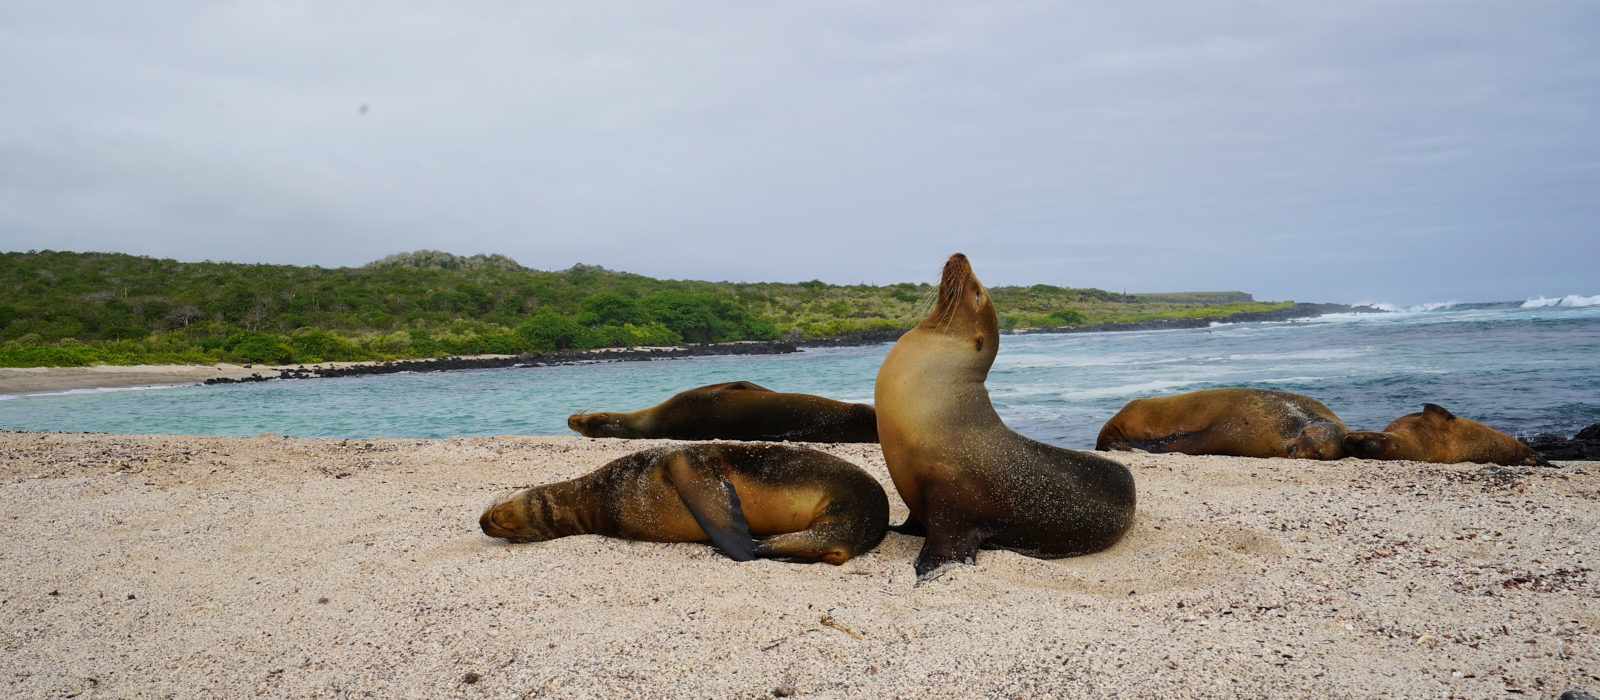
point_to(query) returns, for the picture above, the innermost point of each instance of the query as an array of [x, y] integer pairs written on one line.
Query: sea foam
[[1419, 308], [1568, 300]]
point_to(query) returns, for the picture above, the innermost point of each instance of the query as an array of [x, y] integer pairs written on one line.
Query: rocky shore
[[1584, 445], [1292, 313], [532, 359]]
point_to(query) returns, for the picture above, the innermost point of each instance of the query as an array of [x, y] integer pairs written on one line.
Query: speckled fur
[[971, 481], [800, 503], [1230, 421]]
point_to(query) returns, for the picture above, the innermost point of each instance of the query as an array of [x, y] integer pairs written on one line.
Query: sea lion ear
[[1434, 409]]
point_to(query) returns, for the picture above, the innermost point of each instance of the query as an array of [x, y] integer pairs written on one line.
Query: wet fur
[[736, 411]]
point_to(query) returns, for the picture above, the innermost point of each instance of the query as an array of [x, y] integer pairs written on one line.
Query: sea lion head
[[521, 517], [605, 424], [965, 312], [1380, 445], [1318, 442], [1404, 437]]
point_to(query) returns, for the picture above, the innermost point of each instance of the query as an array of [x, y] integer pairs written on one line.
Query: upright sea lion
[[970, 481], [1231, 421], [736, 411], [751, 501], [1435, 435]]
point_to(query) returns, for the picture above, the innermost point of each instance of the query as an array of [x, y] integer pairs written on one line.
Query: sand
[[43, 380], [40, 380], [154, 566]]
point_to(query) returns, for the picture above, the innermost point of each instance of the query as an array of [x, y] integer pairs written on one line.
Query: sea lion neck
[[570, 508], [938, 368]]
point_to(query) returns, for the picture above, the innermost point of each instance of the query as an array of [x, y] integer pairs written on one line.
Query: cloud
[[1408, 151]]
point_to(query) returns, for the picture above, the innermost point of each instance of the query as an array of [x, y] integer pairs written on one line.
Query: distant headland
[[76, 309]]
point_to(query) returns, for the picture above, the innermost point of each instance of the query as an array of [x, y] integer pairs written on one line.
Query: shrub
[[395, 343], [549, 331], [318, 346], [606, 309], [1069, 317], [38, 356], [124, 333], [259, 347]]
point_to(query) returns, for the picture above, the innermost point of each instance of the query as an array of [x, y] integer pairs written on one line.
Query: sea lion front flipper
[[911, 527], [953, 546], [714, 504]]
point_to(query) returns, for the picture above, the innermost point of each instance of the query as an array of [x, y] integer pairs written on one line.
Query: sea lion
[[1435, 435], [1232, 421], [777, 501], [736, 411], [970, 481]]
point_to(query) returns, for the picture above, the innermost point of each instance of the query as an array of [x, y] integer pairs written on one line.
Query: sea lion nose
[[492, 525]]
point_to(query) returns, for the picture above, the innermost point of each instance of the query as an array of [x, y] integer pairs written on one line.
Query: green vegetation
[[70, 309]]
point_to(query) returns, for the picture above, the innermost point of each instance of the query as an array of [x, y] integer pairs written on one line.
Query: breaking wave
[[1568, 300], [1419, 308]]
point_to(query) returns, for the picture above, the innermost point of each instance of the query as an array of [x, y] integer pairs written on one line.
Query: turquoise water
[[1520, 370]]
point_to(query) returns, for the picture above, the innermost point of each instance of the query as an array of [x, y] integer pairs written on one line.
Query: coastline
[[39, 380], [227, 567], [36, 380]]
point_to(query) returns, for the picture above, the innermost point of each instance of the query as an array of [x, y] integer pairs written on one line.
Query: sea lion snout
[[598, 425], [1318, 442], [510, 520], [1368, 445]]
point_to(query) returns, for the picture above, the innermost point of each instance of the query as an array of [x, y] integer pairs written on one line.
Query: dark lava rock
[[1585, 446], [532, 359]]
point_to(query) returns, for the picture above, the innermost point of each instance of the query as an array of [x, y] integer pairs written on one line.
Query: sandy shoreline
[[39, 380], [194, 566]]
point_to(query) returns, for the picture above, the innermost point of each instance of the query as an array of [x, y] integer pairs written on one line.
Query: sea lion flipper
[[911, 527], [943, 547], [714, 503]]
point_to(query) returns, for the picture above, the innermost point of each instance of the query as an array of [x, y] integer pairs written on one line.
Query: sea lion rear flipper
[[911, 527], [714, 504]]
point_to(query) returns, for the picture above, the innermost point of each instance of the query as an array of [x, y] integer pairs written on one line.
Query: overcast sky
[[1355, 151]]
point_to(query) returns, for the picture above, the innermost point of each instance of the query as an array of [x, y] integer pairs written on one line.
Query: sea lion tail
[[714, 503]]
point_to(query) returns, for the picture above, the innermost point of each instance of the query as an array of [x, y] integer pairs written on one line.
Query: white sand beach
[[39, 380], [180, 566]]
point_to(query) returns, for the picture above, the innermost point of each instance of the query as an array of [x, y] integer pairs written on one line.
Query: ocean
[[1522, 368]]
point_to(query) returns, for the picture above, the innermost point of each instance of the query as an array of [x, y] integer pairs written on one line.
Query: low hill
[[64, 308]]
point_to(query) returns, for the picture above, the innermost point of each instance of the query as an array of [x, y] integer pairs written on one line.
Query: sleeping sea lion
[[970, 481], [776, 501], [1231, 421], [736, 411], [1434, 435]]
